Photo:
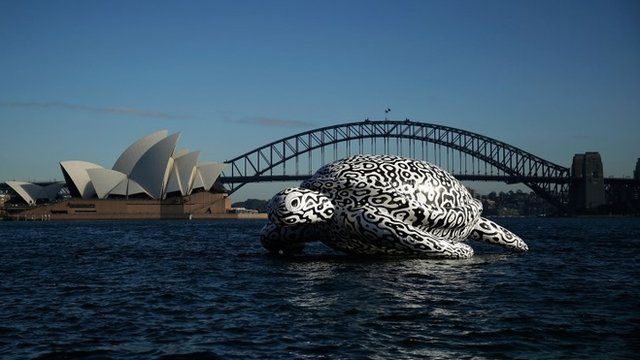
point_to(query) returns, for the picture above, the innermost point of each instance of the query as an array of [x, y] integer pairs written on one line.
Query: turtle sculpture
[[381, 205]]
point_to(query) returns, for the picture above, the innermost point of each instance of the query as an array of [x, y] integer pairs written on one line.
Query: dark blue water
[[207, 289]]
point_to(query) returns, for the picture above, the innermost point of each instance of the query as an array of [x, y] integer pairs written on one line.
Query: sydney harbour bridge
[[467, 155]]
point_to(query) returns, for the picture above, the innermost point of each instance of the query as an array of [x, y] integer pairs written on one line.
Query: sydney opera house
[[151, 179]]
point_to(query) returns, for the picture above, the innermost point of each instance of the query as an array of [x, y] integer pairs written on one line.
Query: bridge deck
[[462, 177]]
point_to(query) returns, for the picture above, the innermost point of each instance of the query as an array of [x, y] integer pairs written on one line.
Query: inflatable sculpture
[[382, 205]]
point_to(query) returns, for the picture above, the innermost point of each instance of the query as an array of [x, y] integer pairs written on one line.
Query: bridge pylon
[[587, 183]]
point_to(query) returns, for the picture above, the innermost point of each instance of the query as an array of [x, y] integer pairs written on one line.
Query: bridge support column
[[587, 186]]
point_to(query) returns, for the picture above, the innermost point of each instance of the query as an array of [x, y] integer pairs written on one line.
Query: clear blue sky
[[83, 79]]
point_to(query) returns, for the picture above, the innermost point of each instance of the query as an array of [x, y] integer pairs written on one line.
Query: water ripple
[[207, 290]]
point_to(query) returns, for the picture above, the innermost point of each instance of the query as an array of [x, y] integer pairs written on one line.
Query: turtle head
[[295, 206]]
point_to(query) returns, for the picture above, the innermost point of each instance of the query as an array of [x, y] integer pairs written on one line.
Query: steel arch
[[547, 179]]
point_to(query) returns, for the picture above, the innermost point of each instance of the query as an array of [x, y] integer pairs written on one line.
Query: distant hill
[[255, 204]]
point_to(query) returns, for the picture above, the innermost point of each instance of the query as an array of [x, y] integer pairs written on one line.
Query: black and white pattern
[[382, 205], [295, 206]]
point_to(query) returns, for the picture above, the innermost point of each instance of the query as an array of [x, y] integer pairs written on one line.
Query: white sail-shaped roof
[[151, 165], [173, 185], [128, 187], [197, 182], [165, 178], [151, 169], [105, 180], [135, 188], [76, 172], [209, 173], [127, 161], [186, 169], [180, 152], [30, 192], [121, 188], [27, 191]]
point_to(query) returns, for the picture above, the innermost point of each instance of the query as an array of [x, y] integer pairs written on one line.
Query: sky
[[81, 80]]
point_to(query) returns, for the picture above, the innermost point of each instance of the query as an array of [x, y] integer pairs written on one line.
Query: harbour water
[[208, 290]]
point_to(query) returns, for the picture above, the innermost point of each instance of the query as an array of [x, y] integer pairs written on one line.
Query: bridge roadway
[[462, 177]]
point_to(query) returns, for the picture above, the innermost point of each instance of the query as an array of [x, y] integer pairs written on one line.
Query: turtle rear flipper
[[488, 231]]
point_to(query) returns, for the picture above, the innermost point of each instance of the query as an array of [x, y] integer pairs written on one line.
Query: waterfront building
[[150, 179]]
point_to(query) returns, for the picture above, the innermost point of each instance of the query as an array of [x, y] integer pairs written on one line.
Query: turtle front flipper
[[295, 217], [488, 231], [289, 240]]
